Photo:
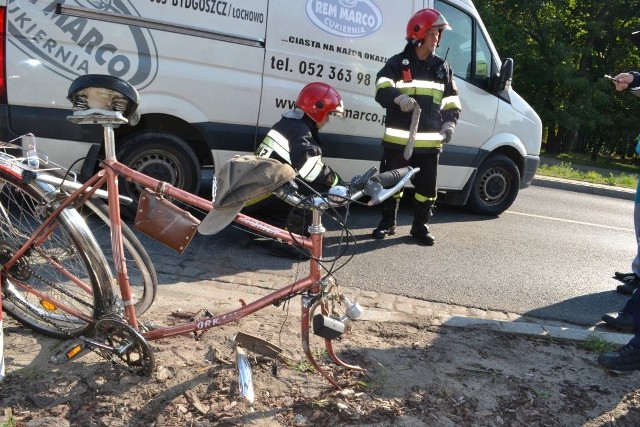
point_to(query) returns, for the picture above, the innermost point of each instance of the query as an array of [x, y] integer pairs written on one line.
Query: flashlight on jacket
[[406, 72]]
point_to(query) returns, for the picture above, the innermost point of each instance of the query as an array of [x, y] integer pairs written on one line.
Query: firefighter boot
[[419, 228], [387, 226]]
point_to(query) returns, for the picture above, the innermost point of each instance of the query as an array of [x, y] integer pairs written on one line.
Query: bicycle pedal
[[73, 349]]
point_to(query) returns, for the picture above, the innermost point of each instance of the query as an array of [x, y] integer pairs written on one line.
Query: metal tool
[[413, 129]]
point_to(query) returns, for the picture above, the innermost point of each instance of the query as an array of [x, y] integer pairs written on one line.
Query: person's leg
[[626, 358], [425, 197], [632, 281], [635, 265], [622, 320], [391, 159]]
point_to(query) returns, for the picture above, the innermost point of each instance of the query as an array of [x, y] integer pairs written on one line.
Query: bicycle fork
[[325, 324]]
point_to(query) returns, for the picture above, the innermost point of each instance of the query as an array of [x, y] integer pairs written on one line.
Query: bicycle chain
[[65, 292]]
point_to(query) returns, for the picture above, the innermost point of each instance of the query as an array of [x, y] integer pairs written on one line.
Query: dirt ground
[[417, 374]]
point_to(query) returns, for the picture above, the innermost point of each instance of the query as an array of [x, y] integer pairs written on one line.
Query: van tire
[[495, 187], [161, 155]]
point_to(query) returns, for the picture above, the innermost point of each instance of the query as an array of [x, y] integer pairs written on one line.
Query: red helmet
[[422, 21], [318, 99]]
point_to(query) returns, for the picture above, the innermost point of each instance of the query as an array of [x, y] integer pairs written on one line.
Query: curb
[[573, 333], [584, 187], [515, 324]]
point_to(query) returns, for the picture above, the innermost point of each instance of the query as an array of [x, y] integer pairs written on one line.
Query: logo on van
[[345, 18], [72, 46]]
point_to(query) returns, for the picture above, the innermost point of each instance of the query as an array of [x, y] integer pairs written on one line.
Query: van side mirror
[[503, 80]]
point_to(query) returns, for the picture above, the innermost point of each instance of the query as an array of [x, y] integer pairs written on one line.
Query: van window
[[472, 65], [483, 61]]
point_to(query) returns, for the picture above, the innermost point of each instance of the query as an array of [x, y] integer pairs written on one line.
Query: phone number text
[[316, 69]]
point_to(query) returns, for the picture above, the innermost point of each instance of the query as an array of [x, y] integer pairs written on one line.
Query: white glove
[[405, 102], [447, 131]]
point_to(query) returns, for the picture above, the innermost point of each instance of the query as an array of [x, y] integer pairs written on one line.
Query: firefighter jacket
[[294, 140], [430, 82]]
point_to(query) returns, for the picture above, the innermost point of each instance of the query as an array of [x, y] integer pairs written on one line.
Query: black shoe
[[628, 287], [626, 358], [285, 250], [381, 232], [421, 232], [621, 320], [624, 277]]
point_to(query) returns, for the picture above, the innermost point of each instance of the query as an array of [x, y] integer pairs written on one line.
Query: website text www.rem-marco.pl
[[365, 116]]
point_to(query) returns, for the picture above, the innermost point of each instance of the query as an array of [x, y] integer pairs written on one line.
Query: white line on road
[[572, 221]]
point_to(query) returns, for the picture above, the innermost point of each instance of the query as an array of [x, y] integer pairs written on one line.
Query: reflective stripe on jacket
[[295, 142], [433, 88]]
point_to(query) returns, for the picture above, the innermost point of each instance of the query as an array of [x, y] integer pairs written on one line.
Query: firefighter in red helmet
[[294, 140], [417, 78]]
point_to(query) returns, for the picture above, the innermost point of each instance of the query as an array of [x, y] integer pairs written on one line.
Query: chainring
[[130, 349]]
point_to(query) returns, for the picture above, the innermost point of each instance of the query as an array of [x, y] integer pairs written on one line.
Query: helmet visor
[[339, 111]]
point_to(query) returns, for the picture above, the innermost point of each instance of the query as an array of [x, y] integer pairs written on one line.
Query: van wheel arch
[[162, 155], [495, 187]]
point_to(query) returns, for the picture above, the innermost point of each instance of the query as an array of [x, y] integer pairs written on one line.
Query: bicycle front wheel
[[62, 282]]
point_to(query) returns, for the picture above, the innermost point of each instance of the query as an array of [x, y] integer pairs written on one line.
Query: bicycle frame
[[312, 287], [102, 100]]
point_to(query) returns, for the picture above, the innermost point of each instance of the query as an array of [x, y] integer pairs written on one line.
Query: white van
[[214, 75]]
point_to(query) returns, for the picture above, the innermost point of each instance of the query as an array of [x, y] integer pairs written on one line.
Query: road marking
[[571, 221]]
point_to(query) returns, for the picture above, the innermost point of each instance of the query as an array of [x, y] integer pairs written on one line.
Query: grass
[[576, 166], [566, 171], [596, 344], [615, 163], [8, 421]]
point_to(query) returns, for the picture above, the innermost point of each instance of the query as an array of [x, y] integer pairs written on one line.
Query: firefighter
[[294, 140], [417, 78]]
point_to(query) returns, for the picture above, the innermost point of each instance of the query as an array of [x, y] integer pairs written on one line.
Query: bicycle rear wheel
[[143, 279], [62, 283]]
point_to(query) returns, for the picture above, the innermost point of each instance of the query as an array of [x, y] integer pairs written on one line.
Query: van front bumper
[[530, 167]]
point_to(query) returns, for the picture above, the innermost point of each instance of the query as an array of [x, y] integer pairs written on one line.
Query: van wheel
[[163, 156], [495, 187]]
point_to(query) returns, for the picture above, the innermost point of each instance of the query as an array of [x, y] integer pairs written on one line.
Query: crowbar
[[413, 129]]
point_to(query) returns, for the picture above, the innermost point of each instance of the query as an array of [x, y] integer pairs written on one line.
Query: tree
[[561, 50]]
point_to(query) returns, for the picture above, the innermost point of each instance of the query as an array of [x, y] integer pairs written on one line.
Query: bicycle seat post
[[109, 142]]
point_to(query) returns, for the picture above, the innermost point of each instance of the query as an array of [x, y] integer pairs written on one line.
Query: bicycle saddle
[[111, 94]]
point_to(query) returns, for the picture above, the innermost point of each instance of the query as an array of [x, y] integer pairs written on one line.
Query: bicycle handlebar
[[378, 187]]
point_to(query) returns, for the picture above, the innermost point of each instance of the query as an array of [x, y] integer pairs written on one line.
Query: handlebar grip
[[391, 178]]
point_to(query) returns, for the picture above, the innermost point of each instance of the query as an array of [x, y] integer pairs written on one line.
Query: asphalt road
[[551, 256]]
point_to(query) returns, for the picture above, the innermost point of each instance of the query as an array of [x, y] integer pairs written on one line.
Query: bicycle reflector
[[73, 351], [11, 166], [47, 305]]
